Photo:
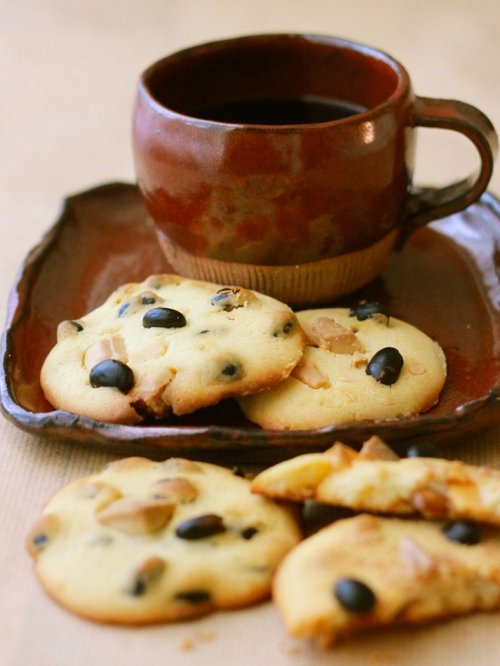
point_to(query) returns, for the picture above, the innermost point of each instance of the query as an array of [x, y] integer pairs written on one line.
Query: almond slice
[[180, 465], [431, 501], [326, 333], [68, 329], [341, 456], [145, 575], [308, 373], [136, 516], [108, 347], [418, 560], [376, 449], [102, 493], [176, 489]]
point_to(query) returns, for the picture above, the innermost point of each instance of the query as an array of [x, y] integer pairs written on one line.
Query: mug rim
[[403, 80]]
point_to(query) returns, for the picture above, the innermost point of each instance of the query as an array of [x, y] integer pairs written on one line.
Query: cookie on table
[[376, 480], [367, 571], [358, 365], [169, 345], [143, 542]]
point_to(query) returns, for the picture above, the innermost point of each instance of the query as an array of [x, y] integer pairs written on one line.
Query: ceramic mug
[[289, 150]]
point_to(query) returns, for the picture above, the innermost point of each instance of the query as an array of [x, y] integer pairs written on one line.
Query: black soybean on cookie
[[170, 345], [365, 572], [143, 542], [357, 365]]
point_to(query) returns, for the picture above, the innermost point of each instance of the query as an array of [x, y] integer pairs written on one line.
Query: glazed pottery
[[444, 281], [234, 192]]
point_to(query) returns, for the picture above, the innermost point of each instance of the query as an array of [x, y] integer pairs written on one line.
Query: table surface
[[68, 71]]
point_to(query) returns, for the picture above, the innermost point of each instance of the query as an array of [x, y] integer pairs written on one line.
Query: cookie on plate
[[367, 571], [169, 345], [143, 542], [377, 480], [358, 365]]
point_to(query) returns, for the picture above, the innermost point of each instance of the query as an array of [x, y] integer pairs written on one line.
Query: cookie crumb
[[191, 642], [186, 644]]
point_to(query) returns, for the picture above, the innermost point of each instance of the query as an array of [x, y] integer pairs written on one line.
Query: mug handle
[[432, 203]]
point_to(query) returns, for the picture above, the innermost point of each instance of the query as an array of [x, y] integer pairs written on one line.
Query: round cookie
[[143, 542], [353, 369], [365, 572], [169, 345]]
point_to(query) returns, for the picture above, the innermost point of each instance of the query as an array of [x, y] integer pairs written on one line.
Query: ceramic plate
[[443, 281]]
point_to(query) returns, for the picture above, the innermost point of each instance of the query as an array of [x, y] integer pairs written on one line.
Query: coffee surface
[[279, 111]]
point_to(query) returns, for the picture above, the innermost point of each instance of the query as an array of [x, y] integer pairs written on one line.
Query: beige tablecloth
[[68, 71]]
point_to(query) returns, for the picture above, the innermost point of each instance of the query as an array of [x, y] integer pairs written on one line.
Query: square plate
[[444, 281]]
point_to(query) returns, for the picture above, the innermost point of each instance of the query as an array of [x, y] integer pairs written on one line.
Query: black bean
[[227, 299], [146, 298], [221, 297], [163, 318], [112, 373], [123, 308], [200, 527], [194, 596], [138, 587], [463, 531], [284, 330], [366, 310], [231, 371], [39, 540], [77, 325], [422, 450], [385, 366], [249, 532], [354, 595]]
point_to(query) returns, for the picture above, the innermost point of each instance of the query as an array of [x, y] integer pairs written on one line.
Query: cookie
[[169, 345], [358, 365], [143, 542], [377, 480], [365, 572]]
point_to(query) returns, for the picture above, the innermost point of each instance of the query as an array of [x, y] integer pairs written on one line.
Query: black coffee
[[280, 111]]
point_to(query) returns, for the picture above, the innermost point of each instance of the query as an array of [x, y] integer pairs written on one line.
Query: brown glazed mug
[[284, 162]]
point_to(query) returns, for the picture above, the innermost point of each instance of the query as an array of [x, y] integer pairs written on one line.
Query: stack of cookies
[[383, 565], [170, 346]]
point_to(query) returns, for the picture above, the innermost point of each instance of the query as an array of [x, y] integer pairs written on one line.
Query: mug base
[[309, 283]]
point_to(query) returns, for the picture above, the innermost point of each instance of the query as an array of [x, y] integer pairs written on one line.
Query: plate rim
[[208, 437]]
